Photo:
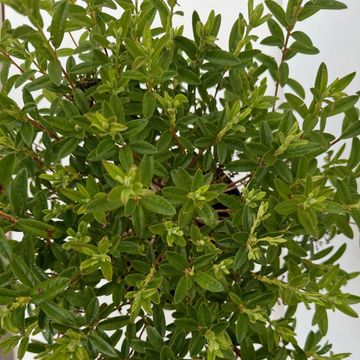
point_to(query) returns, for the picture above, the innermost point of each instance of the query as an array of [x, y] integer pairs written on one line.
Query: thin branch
[[283, 56], [224, 211], [238, 181], [75, 278], [41, 127], [8, 217], [286, 48], [335, 141], [12, 61], [237, 352], [73, 40], [67, 77]]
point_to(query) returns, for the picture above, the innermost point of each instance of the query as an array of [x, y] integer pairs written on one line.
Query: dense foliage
[[157, 170]]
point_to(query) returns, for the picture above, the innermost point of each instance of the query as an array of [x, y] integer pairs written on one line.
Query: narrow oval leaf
[[158, 205], [19, 192], [149, 104], [208, 282], [57, 27], [102, 345]]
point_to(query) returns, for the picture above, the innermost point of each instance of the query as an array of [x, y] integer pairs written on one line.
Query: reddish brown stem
[[237, 352], [283, 56], [12, 61], [39, 126], [7, 217]]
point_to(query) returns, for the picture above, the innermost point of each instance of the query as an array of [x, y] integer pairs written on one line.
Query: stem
[[67, 77], [75, 278], [237, 352], [175, 137], [225, 211], [12, 61], [73, 40], [335, 141], [239, 181], [285, 48], [283, 55], [37, 125], [8, 217], [55, 57]]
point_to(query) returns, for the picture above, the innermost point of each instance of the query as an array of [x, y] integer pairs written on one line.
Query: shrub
[[157, 170]]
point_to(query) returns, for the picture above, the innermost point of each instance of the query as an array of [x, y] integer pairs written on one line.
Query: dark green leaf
[[19, 192], [102, 345], [208, 282], [57, 27], [157, 204]]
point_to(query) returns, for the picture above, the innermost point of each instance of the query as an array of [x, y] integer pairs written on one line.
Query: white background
[[336, 34]]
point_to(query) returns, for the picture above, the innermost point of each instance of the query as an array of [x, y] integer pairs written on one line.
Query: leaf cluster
[[164, 199]]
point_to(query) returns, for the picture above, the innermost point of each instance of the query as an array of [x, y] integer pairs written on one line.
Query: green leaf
[[59, 314], [240, 258], [48, 289], [107, 270], [208, 282], [188, 76], [38, 228], [297, 104], [277, 11], [329, 4], [22, 271], [161, 7], [204, 315], [166, 353], [154, 337], [22, 347], [241, 328], [221, 57], [352, 131], [309, 221], [5, 249], [159, 319], [176, 260], [55, 72], [102, 345], [346, 309], [19, 192], [338, 254], [7, 164], [114, 323], [287, 207], [149, 104], [182, 288], [9, 343], [57, 27], [158, 205], [146, 170], [27, 133], [208, 214], [67, 147], [343, 105], [126, 158], [92, 311], [143, 147]]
